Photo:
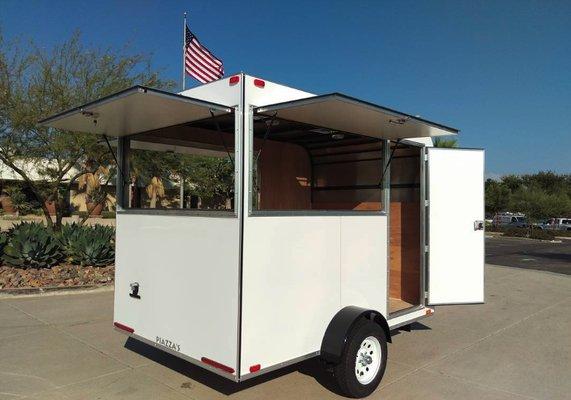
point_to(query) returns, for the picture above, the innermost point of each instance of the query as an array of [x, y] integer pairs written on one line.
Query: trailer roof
[[343, 113], [134, 110]]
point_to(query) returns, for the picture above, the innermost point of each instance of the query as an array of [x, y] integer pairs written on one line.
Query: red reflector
[[123, 327], [216, 364], [255, 368], [259, 83], [234, 79]]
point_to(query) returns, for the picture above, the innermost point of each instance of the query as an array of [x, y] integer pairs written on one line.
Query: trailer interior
[[300, 167]]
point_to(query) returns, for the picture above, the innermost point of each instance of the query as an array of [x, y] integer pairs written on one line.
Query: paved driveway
[[516, 346], [530, 254]]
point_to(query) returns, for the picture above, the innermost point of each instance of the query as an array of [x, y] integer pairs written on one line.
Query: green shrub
[[31, 245], [90, 245], [108, 214], [3, 242], [562, 233], [515, 232], [69, 235], [19, 200], [527, 233], [542, 234]]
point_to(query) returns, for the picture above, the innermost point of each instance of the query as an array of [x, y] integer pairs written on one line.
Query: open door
[[455, 193]]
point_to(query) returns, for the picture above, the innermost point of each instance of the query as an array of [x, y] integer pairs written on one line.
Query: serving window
[[305, 168], [187, 167]]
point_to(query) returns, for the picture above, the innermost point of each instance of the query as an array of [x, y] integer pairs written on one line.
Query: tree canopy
[[36, 83], [540, 196]]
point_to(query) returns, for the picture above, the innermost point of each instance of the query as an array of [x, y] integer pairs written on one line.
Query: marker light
[[234, 79], [216, 364], [255, 368], [123, 327], [259, 83]]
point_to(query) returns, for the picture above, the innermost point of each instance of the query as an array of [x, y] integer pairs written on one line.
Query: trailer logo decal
[[167, 343]]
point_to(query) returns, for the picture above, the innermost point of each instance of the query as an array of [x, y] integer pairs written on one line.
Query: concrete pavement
[[516, 346]]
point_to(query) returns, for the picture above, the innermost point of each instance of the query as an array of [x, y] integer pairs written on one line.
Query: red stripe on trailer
[[123, 327], [255, 368], [216, 364]]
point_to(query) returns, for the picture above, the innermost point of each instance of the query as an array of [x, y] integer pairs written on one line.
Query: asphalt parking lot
[[530, 254], [516, 346]]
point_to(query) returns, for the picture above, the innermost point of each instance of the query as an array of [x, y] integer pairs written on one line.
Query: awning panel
[[343, 113], [134, 110]]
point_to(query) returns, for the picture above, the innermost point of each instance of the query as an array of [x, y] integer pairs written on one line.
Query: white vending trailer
[[260, 225]]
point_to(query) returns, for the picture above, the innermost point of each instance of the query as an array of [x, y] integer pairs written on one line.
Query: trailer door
[[455, 194]]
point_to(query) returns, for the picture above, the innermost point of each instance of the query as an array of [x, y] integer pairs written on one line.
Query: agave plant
[[31, 245], [3, 242], [68, 236], [91, 245]]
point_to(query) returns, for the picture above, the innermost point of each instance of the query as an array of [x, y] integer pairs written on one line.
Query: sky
[[500, 71]]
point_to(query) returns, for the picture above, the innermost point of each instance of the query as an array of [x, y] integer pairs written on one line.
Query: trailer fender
[[338, 330]]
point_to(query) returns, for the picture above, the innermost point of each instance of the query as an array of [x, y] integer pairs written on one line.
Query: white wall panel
[[187, 268], [364, 262], [291, 286]]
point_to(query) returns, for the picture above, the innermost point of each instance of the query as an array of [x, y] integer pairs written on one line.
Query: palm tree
[[447, 143]]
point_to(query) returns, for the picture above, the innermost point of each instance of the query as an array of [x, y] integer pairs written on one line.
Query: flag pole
[[183, 88], [183, 52]]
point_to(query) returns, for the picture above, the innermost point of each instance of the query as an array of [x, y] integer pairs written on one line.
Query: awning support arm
[[115, 158], [221, 137], [389, 161], [266, 135]]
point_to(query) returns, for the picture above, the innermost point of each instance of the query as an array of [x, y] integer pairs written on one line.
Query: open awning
[[343, 113], [134, 110]]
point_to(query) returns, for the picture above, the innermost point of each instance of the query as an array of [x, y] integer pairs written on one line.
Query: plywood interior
[[398, 304], [405, 252], [404, 277], [284, 177], [285, 171]]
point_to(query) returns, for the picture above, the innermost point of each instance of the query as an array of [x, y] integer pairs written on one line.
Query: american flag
[[199, 62]]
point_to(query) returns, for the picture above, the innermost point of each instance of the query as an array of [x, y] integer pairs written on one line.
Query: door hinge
[[426, 249], [426, 202], [425, 156]]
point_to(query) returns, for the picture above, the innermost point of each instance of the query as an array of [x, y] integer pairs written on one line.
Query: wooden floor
[[397, 305]]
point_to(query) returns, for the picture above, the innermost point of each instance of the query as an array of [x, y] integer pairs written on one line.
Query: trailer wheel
[[363, 361]]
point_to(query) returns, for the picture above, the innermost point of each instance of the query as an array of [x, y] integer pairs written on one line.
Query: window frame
[[385, 190], [123, 150]]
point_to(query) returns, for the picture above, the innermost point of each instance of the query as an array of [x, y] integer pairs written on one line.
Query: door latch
[[134, 290], [478, 225]]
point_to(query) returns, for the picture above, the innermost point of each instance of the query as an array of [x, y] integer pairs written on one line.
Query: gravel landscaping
[[57, 276]]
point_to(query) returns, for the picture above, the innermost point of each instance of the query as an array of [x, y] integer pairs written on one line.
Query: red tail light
[[259, 83], [123, 327], [216, 364], [255, 368], [234, 79]]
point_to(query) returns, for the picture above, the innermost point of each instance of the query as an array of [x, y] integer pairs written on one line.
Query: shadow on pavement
[[310, 367], [313, 367]]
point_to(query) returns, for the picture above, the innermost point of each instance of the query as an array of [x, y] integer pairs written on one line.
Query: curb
[[53, 290]]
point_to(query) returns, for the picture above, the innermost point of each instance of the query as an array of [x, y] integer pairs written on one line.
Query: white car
[[557, 224]]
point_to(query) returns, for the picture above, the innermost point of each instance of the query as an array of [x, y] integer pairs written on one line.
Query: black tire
[[344, 372]]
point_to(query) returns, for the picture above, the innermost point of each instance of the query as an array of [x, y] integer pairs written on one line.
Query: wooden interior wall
[[366, 169], [405, 251], [285, 177]]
